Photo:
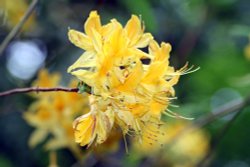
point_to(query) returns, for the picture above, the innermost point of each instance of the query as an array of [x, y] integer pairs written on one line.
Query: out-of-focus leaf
[[223, 62], [240, 30], [143, 8], [191, 12], [237, 139], [222, 3], [4, 162], [132, 160]]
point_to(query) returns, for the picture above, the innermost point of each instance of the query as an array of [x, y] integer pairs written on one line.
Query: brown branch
[[18, 27], [231, 107], [216, 141], [226, 109], [37, 89]]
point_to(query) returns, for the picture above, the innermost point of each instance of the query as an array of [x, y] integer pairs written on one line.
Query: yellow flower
[[126, 91], [47, 80], [53, 113], [95, 125], [106, 46], [247, 51], [163, 142], [14, 10]]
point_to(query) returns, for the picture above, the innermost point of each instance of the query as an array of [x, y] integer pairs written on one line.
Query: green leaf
[[143, 8], [5, 162]]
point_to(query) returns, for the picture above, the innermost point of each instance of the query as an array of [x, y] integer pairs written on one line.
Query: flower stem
[[52, 159]]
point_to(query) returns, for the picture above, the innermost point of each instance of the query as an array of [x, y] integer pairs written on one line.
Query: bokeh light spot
[[24, 58]]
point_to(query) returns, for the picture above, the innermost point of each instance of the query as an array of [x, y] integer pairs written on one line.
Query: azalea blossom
[[183, 148], [52, 114], [14, 11], [126, 92]]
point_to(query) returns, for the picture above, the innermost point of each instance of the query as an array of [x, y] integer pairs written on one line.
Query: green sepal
[[83, 87]]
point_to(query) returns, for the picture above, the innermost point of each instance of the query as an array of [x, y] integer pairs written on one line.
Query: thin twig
[[37, 89], [226, 109], [217, 140], [18, 27], [231, 107]]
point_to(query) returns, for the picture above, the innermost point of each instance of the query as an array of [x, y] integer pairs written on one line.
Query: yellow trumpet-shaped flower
[[95, 125], [52, 114], [105, 47], [129, 87]]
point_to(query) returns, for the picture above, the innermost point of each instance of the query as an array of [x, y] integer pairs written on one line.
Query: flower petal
[[84, 127], [133, 79], [87, 77], [134, 30], [144, 40], [104, 125], [37, 137], [86, 61], [93, 22], [97, 41], [80, 40]]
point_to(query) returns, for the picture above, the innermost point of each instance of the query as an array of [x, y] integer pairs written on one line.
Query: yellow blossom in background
[[112, 144], [129, 87], [247, 50], [47, 80], [53, 113], [13, 11], [171, 145]]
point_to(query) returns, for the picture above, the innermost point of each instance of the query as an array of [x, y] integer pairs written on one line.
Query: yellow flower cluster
[[53, 113], [129, 87], [183, 148]]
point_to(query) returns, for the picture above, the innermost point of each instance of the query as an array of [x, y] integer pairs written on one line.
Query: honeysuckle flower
[[125, 92], [52, 114]]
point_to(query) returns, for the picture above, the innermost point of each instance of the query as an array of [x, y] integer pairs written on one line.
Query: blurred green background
[[210, 34]]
